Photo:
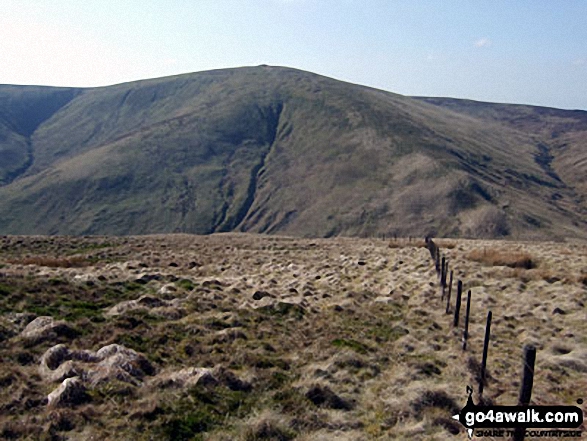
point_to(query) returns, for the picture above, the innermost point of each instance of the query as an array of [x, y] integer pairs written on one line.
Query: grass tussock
[[496, 257], [446, 244], [268, 426]]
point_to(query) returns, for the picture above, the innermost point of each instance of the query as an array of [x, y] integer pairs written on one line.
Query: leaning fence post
[[484, 359], [458, 304], [449, 292], [526, 387], [466, 332]]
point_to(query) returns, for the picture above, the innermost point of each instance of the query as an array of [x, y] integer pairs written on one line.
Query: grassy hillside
[[277, 150], [563, 133]]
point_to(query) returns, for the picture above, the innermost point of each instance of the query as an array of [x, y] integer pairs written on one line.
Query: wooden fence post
[[484, 359], [466, 332], [442, 265], [431, 247], [437, 263], [526, 386], [444, 279], [458, 304], [449, 292]]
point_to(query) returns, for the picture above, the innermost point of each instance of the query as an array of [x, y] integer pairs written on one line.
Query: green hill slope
[[278, 150]]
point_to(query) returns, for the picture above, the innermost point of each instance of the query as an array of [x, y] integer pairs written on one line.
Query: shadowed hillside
[[22, 110], [278, 150]]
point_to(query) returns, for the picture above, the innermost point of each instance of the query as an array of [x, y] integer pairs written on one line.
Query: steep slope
[[269, 149], [22, 110]]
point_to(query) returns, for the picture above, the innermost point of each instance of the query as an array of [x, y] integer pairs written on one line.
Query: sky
[[512, 51]]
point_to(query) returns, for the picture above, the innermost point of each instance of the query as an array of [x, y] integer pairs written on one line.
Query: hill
[[278, 150]]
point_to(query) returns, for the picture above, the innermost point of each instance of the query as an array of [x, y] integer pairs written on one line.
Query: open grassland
[[244, 337]]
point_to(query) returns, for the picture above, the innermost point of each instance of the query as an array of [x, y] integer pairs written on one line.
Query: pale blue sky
[[523, 51]]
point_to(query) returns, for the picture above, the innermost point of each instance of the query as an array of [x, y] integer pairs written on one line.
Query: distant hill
[[279, 150]]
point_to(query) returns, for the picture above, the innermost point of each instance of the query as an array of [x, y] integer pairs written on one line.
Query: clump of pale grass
[[268, 425]]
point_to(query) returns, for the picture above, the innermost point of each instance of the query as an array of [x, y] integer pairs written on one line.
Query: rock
[[558, 311], [120, 363], [54, 356], [66, 370], [84, 356], [70, 392], [46, 328], [110, 362], [59, 363]]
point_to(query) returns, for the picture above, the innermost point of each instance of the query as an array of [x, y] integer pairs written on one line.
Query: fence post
[[442, 268], [484, 360], [445, 275], [449, 292], [466, 332], [437, 263], [526, 387], [458, 304]]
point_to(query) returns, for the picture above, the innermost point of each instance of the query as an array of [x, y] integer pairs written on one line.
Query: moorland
[[255, 337]]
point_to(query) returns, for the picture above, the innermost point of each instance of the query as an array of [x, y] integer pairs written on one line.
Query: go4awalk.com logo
[[532, 421]]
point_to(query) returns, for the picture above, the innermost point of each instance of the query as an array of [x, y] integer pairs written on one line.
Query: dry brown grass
[[446, 244], [405, 243], [52, 262], [496, 257], [548, 275]]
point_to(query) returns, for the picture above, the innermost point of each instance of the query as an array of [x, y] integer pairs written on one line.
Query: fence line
[[441, 264]]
